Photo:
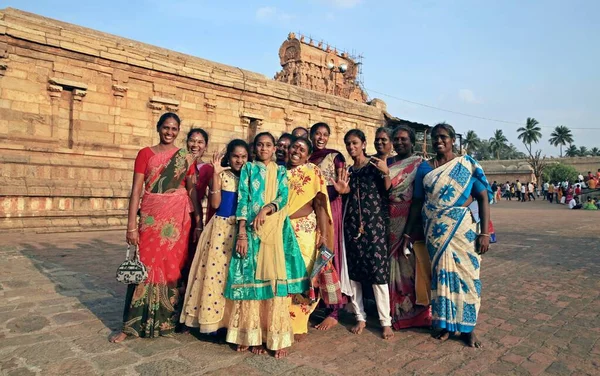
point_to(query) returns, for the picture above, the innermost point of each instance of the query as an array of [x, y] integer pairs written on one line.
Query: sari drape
[[163, 239], [305, 183], [451, 238], [242, 283], [329, 161], [260, 311], [406, 307], [203, 174]]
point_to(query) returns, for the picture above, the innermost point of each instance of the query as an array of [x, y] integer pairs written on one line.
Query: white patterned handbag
[[132, 271]]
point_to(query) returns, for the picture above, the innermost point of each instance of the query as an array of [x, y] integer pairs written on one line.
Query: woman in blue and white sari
[[445, 186]]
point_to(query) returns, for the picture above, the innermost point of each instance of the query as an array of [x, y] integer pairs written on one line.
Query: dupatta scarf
[[451, 235]]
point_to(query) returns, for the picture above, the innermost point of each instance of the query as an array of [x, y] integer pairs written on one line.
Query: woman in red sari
[[332, 164], [162, 172]]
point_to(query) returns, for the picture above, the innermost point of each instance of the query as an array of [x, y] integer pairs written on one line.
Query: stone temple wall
[[76, 105]]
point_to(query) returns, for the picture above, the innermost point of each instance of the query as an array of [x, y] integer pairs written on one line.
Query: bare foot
[[443, 335], [471, 340], [258, 350], [387, 332], [117, 338], [241, 348], [300, 337], [281, 353], [358, 328], [327, 324]]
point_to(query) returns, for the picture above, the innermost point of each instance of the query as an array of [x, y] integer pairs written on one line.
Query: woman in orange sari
[[162, 172], [310, 216]]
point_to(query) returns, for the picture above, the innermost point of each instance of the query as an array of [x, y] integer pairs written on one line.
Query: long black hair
[[261, 134], [306, 142], [409, 130], [358, 134], [164, 117], [230, 149], [316, 127], [385, 130], [445, 126], [198, 130]]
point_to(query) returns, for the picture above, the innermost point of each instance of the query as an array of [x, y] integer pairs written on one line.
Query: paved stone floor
[[59, 302]]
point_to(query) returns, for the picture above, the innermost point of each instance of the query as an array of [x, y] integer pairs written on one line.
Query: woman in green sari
[[268, 265]]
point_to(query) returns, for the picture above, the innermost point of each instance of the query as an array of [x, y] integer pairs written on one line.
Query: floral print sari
[[164, 229], [451, 237]]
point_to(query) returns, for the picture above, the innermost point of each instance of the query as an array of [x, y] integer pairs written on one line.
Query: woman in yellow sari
[[310, 215]]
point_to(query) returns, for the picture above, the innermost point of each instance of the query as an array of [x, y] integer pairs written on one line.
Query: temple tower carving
[[319, 68]]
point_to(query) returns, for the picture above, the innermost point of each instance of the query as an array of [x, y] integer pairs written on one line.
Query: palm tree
[[572, 151], [498, 142], [583, 151], [530, 134], [471, 142], [560, 137], [595, 152]]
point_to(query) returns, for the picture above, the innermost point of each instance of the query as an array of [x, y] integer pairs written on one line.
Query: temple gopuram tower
[[319, 68]]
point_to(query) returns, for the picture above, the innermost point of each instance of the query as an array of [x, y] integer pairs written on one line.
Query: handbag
[[329, 285], [132, 271]]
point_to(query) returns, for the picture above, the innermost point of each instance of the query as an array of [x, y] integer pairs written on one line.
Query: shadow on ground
[[81, 271]]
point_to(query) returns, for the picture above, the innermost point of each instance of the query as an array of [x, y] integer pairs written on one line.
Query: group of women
[[282, 238]]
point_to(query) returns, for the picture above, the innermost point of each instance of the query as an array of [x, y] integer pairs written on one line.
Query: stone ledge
[[67, 83]]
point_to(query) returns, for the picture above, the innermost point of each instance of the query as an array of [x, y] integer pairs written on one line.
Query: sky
[[497, 59]]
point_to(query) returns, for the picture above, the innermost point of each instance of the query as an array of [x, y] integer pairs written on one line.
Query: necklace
[[361, 165], [436, 164]]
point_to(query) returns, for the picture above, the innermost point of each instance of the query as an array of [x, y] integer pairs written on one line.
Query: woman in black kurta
[[368, 260], [365, 231]]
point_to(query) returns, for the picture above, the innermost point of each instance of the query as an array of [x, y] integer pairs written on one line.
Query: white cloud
[[343, 3], [467, 96], [266, 14]]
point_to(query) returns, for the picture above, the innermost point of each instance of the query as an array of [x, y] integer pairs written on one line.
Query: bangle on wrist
[[486, 235], [132, 230], [213, 192]]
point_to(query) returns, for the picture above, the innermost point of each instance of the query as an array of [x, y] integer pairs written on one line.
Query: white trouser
[[382, 299]]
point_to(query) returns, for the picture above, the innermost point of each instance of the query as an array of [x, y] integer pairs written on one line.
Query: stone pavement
[[59, 302]]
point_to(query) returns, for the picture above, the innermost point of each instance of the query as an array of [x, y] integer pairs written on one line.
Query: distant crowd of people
[[554, 192], [520, 191]]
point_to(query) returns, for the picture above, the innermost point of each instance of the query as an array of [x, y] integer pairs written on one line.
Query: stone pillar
[[55, 92], [119, 91], [78, 90]]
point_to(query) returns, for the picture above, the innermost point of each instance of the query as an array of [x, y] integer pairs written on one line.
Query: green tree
[[484, 151], [511, 152], [572, 151], [471, 142], [530, 134], [561, 136], [595, 152], [560, 172], [498, 142], [583, 151]]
